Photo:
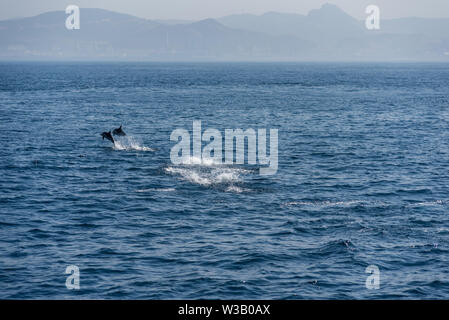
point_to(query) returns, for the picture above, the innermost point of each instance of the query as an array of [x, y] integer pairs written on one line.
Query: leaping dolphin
[[108, 136], [119, 132]]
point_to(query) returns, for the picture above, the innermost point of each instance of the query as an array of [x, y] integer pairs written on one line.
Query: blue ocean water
[[363, 180]]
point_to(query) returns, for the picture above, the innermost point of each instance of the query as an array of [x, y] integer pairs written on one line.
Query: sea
[[357, 208]]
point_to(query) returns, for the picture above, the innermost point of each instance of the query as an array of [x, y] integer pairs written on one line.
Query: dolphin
[[119, 132], [108, 136]]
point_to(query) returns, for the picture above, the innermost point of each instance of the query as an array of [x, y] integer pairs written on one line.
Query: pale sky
[[201, 9]]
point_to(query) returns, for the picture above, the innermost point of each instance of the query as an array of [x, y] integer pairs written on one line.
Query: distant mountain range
[[325, 34]]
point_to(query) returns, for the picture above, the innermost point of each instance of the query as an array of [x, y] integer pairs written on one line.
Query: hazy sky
[[200, 9]]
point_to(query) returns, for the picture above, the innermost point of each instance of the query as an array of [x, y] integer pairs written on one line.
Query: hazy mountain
[[328, 21], [331, 21], [102, 33], [432, 28], [338, 36], [173, 21], [327, 33], [108, 35]]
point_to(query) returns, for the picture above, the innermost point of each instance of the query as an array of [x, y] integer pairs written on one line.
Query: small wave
[[156, 190], [237, 189], [429, 203], [129, 143], [336, 247], [325, 203]]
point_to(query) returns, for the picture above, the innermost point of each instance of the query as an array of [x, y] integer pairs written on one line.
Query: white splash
[[200, 161], [129, 143], [207, 177], [209, 173]]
